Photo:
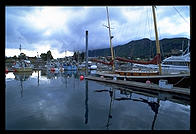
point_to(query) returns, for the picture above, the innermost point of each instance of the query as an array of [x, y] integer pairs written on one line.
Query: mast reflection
[[112, 96], [153, 105], [38, 79], [111, 92]]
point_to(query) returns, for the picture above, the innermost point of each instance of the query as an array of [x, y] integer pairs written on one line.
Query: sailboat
[[23, 65], [181, 80]]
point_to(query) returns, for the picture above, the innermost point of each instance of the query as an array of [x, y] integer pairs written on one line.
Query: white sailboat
[[154, 76]]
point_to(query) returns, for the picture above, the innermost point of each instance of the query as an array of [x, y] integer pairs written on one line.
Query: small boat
[[23, 66], [82, 66], [91, 66], [68, 67], [54, 66]]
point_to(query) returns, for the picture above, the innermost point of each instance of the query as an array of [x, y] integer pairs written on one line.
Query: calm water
[[50, 101]]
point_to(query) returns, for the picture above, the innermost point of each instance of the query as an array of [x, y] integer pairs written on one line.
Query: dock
[[142, 86], [106, 74], [178, 80]]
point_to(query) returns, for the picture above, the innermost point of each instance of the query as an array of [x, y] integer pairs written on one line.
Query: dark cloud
[[70, 35]]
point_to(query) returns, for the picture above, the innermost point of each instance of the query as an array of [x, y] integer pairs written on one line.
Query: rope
[[179, 81], [180, 15]]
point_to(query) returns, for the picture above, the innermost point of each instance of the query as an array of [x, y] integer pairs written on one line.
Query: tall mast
[[20, 48], [111, 47], [157, 39]]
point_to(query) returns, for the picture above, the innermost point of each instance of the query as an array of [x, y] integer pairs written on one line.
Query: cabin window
[[175, 63]]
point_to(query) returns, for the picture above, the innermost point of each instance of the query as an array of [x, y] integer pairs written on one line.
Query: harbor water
[[61, 101]]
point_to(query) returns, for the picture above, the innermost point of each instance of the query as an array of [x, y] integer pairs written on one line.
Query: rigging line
[[179, 81], [181, 15]]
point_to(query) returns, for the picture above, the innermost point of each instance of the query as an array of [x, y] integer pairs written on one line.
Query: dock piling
[[86, 53]]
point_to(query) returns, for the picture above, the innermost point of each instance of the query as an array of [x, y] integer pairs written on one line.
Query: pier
[[142, 86]]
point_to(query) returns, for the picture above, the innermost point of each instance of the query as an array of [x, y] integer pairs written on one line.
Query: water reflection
[[38, 73], [111, 92], [153, 103], [22, 76], [86, 102], [66, 74], [55, 75], [113, 106]]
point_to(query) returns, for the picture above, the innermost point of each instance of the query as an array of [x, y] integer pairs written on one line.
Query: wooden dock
[[106, 74], [142, 86], [178, 80]]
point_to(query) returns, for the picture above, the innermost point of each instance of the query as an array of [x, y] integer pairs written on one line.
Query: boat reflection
[[67, 74], [54, 75], [22, 76]]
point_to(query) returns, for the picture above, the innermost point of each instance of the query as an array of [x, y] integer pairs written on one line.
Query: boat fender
[[147, 82], [81, 77], [6, 70], [52, 69]]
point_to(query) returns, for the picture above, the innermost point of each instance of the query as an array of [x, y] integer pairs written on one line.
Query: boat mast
[[157, 39], [110, 39], [20, 48]]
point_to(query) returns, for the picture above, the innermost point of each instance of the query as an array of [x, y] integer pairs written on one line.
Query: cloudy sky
[[62, 29]]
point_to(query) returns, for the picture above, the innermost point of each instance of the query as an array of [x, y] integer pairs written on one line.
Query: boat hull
[[70, 68], [178, 81], [137, 73], [23, 69]]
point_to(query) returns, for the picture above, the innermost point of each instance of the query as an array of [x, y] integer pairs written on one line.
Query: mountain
[[144, 48]]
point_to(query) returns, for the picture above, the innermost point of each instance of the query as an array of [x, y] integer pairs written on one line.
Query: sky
[[61, 29]]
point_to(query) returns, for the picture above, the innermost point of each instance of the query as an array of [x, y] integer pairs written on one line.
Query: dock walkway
[[142, 86], [106, 74]]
